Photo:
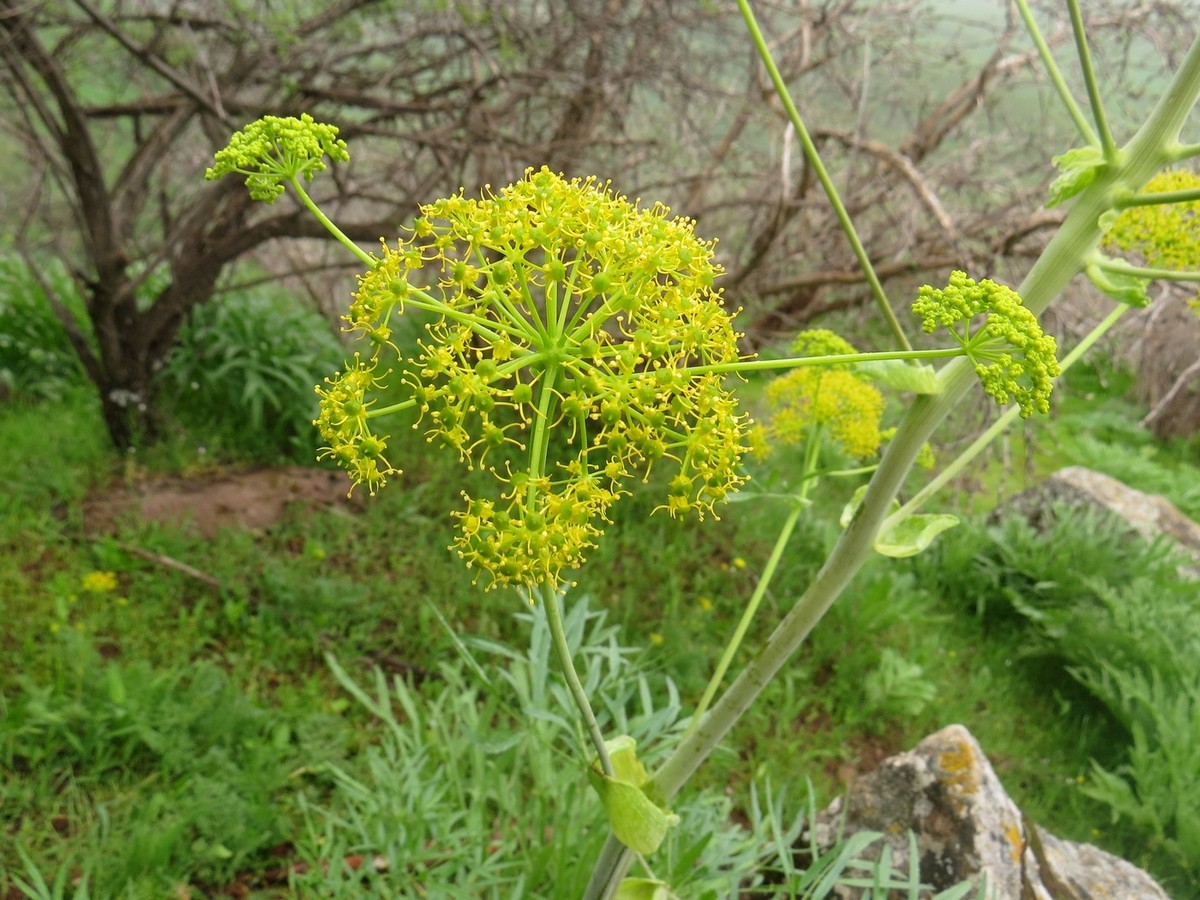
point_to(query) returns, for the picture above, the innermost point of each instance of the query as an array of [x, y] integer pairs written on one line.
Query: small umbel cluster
[[1165, 235], [571, 351], [833, 399], [1014, 359], [274, 149]]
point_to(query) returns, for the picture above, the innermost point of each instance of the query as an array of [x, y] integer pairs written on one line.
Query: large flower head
[[573, 348]]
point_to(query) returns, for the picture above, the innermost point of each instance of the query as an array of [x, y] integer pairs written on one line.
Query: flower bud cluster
[[1014, 359], [567, 322], [832, 398], [274, 149]]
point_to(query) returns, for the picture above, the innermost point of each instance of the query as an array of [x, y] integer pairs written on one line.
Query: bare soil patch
[[206, 503]]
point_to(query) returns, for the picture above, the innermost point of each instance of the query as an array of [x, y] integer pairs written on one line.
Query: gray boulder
[[967, 828], [1151, 516]]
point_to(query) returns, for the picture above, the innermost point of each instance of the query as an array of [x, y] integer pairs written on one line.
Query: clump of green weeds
[[36, 357], [242, 373], [1099, 607]]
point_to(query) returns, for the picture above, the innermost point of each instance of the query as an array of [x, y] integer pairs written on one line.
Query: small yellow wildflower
[[739, 563], [655, 638], [99, 582], [706, 604], [275, 149]]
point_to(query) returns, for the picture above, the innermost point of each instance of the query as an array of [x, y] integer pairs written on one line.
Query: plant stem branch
[[1185, 151], [538, 447], [795, 362], [552, 602], [1093, 86], [980, 443], [831, 191], [1061, 260], [367, 259], [1147, 272], [1056, 76], [375, 412], [1188, 195], [760, 590]]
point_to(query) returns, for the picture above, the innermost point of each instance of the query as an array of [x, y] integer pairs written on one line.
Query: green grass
[[166, 734], [1094, 424]]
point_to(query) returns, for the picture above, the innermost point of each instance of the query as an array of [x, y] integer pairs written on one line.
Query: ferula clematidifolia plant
[[578, 341]]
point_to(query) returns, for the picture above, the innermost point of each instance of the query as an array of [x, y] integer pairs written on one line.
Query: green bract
[[561, 308], [274, 150], [638, 818], [1013, 357], [1079, 168]]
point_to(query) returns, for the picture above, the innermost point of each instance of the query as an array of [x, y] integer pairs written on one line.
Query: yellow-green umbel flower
[[1013, 357], [343, 425], [274, 150], [1165, 235], [832, 398], [567, 322]]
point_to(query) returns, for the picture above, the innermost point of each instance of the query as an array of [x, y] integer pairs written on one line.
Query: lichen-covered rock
[[946, 793], [1151, 516], [1070, 871]]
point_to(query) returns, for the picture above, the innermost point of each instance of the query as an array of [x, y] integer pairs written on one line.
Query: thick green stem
[[1059, 262]]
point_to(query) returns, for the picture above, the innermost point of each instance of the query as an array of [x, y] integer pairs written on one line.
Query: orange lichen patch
[[959, 764], [1012, 831]]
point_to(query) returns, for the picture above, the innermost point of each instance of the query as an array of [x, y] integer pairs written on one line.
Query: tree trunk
[[129, 411]]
